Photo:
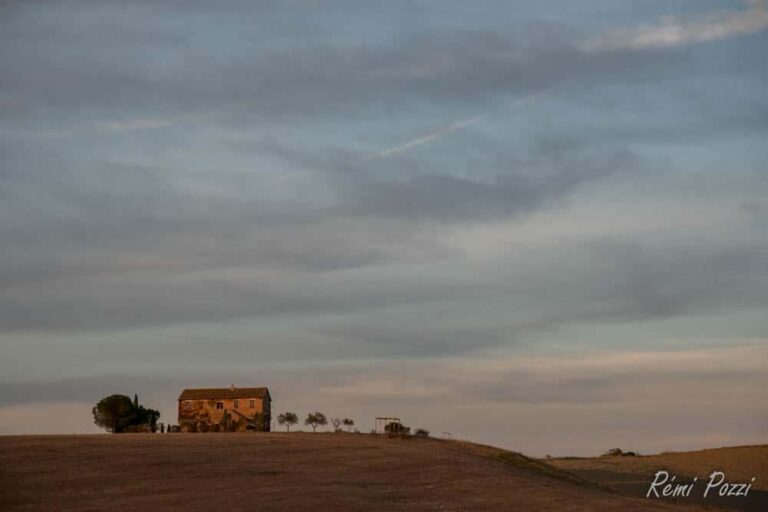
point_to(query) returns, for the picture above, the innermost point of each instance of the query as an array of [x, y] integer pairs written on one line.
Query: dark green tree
[[226, 422], [349, 423], [114, 413], [146, 416]]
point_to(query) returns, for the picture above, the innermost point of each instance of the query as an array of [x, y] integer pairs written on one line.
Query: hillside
[[203, 472], [630, 475]]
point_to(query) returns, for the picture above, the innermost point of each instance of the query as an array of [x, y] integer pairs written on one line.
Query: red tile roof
[[223, 393]]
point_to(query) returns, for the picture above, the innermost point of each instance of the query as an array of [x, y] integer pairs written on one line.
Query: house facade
[[229, 409]]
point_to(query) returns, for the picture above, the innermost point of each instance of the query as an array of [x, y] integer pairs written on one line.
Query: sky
[[540, 225]]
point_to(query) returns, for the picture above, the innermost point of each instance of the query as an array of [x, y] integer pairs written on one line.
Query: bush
[[420, 432], [613, 452], [396, 429]]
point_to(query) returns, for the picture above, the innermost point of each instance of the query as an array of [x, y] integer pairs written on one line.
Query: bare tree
[[336, 422]]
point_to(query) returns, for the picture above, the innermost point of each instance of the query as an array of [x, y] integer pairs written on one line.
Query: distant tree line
[[314, 419], [318, 419]]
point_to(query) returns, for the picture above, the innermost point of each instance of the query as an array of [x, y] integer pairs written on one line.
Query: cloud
[[505, 184], [674, 32], [520, 189], [111, 78], [151, 253], [135, 124]]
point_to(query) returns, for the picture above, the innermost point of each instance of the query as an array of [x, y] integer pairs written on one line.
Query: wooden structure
[[380, 424]]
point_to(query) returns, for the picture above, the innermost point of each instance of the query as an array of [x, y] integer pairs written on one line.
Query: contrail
[[452, 127], [435, 134]]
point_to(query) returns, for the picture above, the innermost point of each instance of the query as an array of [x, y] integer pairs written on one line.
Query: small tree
[[349, 423], [288, 419], [315, 419], [114, 413], [336, 422]]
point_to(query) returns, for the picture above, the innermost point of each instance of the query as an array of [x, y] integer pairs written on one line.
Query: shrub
[[420, 432], [394, 429], [613, 452], [258, 423]]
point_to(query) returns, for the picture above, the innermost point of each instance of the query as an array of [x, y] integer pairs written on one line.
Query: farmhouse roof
[[223, 393]]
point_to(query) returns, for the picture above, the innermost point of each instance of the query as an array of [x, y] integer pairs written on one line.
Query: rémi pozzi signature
[[664, 486]]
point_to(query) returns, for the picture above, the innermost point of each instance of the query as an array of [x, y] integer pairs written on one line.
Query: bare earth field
[[631, 475], [297, 471]]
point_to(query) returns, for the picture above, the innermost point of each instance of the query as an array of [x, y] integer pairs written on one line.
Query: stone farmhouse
[[229, 409]]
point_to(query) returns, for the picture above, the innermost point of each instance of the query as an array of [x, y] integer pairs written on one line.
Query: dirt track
[[204, 472]]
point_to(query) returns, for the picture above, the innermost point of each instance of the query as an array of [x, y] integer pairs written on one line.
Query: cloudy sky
[[542, 225]]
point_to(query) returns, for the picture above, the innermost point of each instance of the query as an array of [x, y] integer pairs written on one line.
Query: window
[[219, 405], [253, 404], [237, 403]]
